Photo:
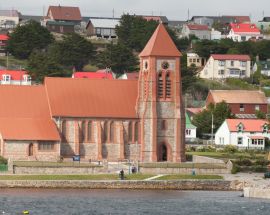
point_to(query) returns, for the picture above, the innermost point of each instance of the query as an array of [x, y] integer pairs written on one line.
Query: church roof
[[160, 44], [100, 98]]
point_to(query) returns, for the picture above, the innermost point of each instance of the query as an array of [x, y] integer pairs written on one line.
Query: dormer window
[[265, 128], [6, 78], [26, 78], [240, 127]]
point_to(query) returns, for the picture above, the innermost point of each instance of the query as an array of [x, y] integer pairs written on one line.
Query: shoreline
[[211, 185]]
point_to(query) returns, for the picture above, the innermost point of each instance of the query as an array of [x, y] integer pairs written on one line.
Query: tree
[[134, 31], [26, 38], [188, 74], [203, 120], [119, 58], [73, 51], [41, 64]]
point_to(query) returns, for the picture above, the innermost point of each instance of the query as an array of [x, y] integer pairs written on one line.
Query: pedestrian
[[122, 174]]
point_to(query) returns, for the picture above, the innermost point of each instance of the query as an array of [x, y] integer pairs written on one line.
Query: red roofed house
[[93, 75], [243, 103], [14, 77], [62, 19], [3, 43], [101, 119], [220, 66], [201, 31], [243, 32], [243, 133]]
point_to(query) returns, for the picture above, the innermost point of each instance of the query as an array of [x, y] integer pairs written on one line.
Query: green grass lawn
[[183, 177], [53, 164], [183, 165], [75, 177]]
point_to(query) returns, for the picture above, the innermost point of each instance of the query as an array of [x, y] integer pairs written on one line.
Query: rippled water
[[14, 201]]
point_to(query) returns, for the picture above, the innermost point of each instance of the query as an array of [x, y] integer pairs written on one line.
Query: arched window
[[89, 131], [83, 137], [130, 131], [168, 85], [160, 86], [136, 131], [64, 130], [112, 132], [105, 131]]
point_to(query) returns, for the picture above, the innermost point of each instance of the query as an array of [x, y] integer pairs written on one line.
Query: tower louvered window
[[168, 86], [160, 86]]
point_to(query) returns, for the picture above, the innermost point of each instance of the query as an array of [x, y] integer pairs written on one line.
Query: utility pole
[[212, 129], [113, 13]]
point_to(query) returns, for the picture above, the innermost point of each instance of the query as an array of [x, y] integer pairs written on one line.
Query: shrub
[[3, 160], [235, 169], [188, 157], [230, 149], [259, 169], [244, 162], [262, 162]]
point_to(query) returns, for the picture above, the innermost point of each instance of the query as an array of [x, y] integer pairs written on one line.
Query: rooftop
[[250, 125], [231, 57], [244, 28], [65, 13]]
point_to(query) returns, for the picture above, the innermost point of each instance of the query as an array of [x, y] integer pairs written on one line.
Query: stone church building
[[99, 118]]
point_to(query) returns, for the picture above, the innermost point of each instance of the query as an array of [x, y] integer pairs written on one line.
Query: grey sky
[[173, 9]]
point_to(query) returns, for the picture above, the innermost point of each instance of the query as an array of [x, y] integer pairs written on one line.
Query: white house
[[9, 18], [243, 32], [243, 133], [11, 77], [201, 31], [195, 59], [191, 130], [220, 66]]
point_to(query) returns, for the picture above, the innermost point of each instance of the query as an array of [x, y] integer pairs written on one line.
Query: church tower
[[159, 103]]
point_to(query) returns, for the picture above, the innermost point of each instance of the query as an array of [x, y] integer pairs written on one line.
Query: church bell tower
[[159, 104]]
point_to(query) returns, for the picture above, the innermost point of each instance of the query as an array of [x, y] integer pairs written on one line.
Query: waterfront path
[[152, 178]]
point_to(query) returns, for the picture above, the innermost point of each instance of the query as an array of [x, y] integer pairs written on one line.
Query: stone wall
[[216, 185], [202, 159], [57, 170], [198, 171], [257, 192]]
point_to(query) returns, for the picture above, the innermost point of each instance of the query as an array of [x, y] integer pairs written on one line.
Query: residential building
[[62, 19], [243, 133], [100, 119], [102, 27], [203, 20], [191, 112], [3, 44], [243, 103], [160, 19], [9, 19], [200, 31], [176, 25], [12, 77], [243, 32], [93, 75], [190, 130], [264, 24], [216, 35], [220, 66], [264, 67], [195, 59]]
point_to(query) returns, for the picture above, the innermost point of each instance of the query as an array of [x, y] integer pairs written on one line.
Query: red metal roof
[[4, 37], [93, 75], [160, 44], [244, 28], [198, 27], [250, 125], [16, 75], [25, 114], [65, 13], [231, 57], [28, 129], [92, 97]]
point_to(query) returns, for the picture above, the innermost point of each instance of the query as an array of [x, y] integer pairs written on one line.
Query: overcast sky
[[173, 9]]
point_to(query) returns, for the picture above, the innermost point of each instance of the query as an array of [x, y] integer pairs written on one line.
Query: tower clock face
[[166, 64]]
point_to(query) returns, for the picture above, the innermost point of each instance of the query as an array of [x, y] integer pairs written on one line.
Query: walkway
[[152, 178]]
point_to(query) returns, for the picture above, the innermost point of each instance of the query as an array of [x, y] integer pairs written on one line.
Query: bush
[[230, 149], [3, 160], [188, 157], [244, 162], [259, 169], [235, 169], [262, 162], [205, 149]]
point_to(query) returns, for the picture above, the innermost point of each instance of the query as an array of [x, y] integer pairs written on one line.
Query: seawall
[[257, 192], [213, 185]]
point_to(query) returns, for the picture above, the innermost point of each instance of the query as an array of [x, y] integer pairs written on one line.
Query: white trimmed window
[[221, 63], [26, 78], [240, 140], [6, 78]]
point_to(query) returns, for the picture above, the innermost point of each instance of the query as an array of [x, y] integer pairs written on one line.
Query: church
[[100, 119]]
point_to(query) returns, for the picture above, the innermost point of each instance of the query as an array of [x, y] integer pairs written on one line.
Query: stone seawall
[[257, 192], [214, 185]]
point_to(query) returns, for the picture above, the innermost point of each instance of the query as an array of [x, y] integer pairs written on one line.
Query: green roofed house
[[190, 130]]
